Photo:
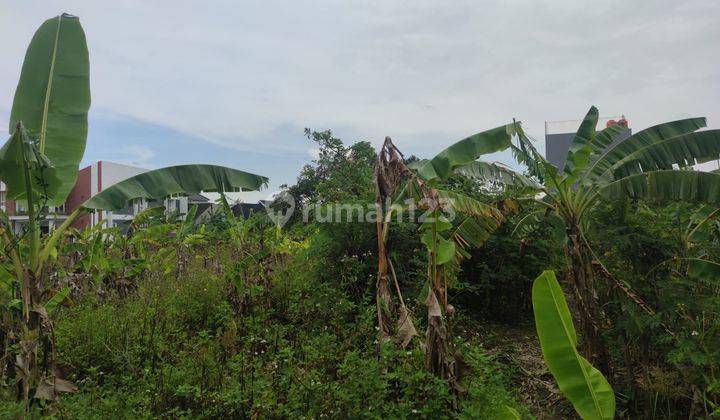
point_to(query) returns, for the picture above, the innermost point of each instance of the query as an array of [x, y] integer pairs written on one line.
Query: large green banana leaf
[[667, 185], [582, 384], [613, 154], [53, 97], [18, 153], [175, 180], [466, 151], [578, 155], [684, 150]]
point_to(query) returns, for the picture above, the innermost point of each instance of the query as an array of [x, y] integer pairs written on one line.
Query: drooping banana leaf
[[650, 135], [496, 173], [684, 150], [17, 153], [526, 154], [53, 97], [461, 203], [667, 185], [583, 385], [578, 155], [175, 180], [466, 151]]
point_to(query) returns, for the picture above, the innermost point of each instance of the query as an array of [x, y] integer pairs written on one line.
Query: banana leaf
[[613, 154], [497, 173], [52, 100], [578, 155], [466, 151], [582, 384], [53, 97], [175, 180], [684, 150], [17, 153], [666, 185]]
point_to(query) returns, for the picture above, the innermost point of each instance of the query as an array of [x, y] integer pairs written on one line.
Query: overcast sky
[[235, 83]]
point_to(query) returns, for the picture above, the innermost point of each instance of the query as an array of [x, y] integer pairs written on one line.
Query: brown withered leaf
[[433, 305], [406, 329], [49, 388]]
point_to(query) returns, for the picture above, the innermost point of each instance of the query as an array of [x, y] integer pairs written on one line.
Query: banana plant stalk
[[478, 221]]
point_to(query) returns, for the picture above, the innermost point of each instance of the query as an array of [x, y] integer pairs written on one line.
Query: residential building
[[559, 136]]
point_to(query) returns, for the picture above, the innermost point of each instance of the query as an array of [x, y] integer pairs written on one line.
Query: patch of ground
[[534, 385]]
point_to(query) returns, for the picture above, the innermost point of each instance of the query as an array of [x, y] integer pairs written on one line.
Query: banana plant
[[447, 242], [580, 382], [700, 227], [48, 126], [653, 164], [39, 165]]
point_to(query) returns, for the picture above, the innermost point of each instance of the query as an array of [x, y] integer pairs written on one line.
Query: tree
[[339, 174], [447, 241]]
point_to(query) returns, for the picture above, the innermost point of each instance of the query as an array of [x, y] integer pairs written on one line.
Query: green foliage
[[340, 174], [52, 100], [241, 345]]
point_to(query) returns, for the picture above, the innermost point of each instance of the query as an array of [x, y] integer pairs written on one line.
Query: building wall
[[8, 206], [111, 173], [79, 194]]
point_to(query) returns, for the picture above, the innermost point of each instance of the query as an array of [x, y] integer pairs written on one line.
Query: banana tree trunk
[[587, 300], [383, 297], [437, 359]]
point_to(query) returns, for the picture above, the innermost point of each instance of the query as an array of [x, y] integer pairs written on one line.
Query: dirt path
[[536, 388]]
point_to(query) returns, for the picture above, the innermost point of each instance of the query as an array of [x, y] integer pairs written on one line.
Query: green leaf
[[508, 413], [461, 203], [684, 150], [604, 139], [466, 151], [667, 185], [445, 251], [19, 151], [526, 154], [600, 166], [582, 384], [56, 300], [703, 269], [53, 97], [578, 155], [15, 304], [440, 225], [496, 173], [175, 180]]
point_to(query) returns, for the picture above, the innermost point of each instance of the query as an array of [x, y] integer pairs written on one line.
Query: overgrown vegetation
[[383, 317]]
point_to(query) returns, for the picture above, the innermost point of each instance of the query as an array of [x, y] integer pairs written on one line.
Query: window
[[2, 201]]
